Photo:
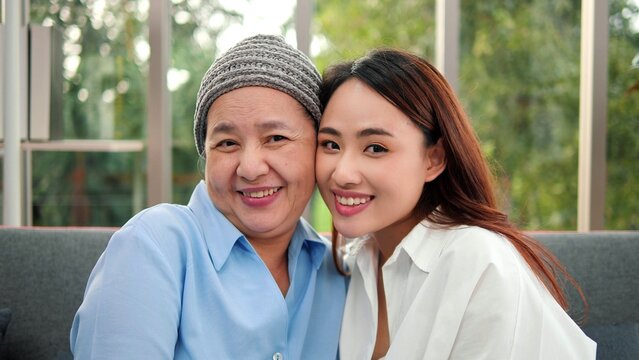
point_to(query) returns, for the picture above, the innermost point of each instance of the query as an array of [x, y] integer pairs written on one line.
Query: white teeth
[[349, 201], [261, 193]]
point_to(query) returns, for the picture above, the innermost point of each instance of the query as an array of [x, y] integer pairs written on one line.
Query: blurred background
[[518, 77]]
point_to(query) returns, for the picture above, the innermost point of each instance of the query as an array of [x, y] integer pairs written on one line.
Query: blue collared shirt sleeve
[[132, 305]]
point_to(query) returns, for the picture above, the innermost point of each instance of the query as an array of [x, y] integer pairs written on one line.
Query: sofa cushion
[[42, 281], [5, 317], [605, 266], [618, 342]]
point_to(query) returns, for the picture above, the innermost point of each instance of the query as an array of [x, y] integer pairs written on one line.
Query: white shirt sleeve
[[492, 306]]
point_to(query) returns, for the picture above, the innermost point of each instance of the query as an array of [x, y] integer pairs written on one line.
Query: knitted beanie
[[260, 60]]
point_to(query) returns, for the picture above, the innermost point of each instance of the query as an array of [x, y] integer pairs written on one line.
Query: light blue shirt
[[181, 282]]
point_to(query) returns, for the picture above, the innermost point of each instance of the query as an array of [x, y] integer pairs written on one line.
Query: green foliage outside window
[[104, 97], [519, 81], [105, 84]]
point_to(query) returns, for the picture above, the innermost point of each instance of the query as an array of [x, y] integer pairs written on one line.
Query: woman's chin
[[350, 233]]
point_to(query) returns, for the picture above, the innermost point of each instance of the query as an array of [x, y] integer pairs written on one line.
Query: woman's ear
[[436, 161]]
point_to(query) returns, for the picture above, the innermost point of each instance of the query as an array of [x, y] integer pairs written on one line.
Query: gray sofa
[[43, 272]]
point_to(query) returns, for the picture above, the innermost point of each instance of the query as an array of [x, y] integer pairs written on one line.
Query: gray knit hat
[[260, 60]]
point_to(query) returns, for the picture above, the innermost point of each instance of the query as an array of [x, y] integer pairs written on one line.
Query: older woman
[[236, 273]]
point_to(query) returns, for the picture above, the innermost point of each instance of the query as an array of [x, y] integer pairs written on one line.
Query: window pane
[[106, 54], [622, 203], [346, 30], [86, 189], [519, 79]]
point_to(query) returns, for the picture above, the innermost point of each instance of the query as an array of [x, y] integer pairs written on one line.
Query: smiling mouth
[[352, 201], [260, 194]]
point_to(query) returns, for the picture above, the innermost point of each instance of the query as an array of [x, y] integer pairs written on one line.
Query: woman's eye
[[225, 144], [329, 145], [376, 148], [277, 138]]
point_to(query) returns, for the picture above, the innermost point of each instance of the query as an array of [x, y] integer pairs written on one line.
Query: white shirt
[[461, 293]]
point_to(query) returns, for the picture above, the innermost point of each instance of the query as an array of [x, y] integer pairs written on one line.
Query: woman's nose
[[346, 171], [252, 164]]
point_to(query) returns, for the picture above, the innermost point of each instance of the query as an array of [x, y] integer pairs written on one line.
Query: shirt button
[[278, 356]]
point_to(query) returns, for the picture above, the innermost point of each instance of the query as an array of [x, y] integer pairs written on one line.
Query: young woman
[[441, 273]]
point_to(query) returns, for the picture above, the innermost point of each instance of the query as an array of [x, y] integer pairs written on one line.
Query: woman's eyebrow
[[361, 133], [329, 131], [273, 125], [223, 127], [373, 131]]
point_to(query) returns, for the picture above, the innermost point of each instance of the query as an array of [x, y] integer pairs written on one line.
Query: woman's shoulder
[[162, 218], [170, 228], [160, 213], [474, 237], [475, 244]]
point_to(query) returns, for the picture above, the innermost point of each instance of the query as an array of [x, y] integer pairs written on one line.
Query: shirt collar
[[423, 245], [305, 236], [221, 235]]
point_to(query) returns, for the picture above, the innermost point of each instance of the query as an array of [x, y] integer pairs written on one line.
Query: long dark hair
[[463, 193]]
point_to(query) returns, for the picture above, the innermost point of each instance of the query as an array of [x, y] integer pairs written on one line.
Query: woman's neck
[[389, 237]]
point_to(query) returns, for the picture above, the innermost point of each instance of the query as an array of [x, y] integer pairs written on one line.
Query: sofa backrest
[[606, 267], [43, 274]]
